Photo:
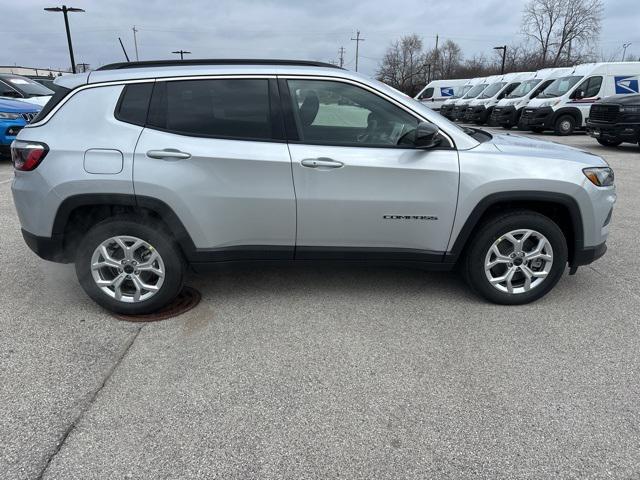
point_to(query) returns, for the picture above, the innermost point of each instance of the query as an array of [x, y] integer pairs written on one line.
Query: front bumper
[[8, 131], [537, 117], [459, 112], [476, 114], [505, 116], [446, 111], [625, 132]]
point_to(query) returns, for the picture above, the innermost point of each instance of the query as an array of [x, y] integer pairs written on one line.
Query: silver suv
[[138, 170]]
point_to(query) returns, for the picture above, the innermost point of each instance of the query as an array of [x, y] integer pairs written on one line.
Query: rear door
[[213, 150], [363, 190]]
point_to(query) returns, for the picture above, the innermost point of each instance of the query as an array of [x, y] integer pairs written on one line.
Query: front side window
[[428, 93], [336, 113], [590, 87], [224, 108]]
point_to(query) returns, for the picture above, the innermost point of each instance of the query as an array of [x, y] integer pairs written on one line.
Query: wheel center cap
[[517, 261], [128, 269]]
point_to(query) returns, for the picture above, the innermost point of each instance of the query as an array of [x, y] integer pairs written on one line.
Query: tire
[[158, 253], [609, 143], [535, 129], [544, 273], [565, 125], [507, 127]]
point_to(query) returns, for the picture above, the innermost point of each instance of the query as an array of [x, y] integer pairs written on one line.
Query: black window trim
[[275, 112], [292, 130]]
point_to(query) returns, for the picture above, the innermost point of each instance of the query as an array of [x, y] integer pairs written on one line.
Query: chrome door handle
[[321, 163], [168, 153]]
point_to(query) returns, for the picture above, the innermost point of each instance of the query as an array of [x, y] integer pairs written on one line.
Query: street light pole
[[504, 56], [624, 49], [182, 53], [64, 9]]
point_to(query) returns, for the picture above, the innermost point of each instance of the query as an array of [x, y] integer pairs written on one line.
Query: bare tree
[[403, 65], [562, 29], [448, 57]]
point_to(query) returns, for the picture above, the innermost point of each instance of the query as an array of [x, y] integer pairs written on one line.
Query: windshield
[[27, 86], [462, 92], [559, 87], [475, 91], [524, 88], [492, 90]]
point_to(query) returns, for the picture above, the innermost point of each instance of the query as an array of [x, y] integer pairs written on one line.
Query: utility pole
[[624, 49], [64, 9], [182, 53], [357, 40], [135, 40], [504, 56], [341, 57], [84, 67], [428, 74]]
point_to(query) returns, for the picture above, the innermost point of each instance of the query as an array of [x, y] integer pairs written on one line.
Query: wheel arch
[[78, 213], [561, 208], [573, 111]]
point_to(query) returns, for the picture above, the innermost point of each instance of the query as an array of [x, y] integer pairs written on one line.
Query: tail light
[[26, 156]]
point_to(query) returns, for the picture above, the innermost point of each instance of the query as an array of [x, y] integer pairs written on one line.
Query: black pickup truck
[[614, 120]]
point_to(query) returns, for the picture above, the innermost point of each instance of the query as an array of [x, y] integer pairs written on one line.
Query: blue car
[[14, 114]]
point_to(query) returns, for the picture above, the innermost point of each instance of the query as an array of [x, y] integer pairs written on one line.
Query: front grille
[[29, 116], [529, 112], [604, 113]]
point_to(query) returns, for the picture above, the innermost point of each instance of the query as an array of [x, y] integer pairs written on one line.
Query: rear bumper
[[626, 132], [47, 248]]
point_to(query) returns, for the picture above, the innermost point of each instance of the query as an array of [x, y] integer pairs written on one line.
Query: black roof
[[214, 61]]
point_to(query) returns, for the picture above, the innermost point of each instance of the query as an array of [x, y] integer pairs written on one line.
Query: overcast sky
[[299, 29]]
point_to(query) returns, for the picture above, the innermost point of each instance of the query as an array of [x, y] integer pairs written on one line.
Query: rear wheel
[[516, 258], [609, 143], [129, 266], [565, 125]]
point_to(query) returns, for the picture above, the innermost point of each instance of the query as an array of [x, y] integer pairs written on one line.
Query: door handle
[[168, 153], [321, 162]]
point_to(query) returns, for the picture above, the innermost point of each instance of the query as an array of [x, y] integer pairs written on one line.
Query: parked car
[[460, 108], [615, 120], [48, 82], [507, 111], [14, 114], [480, 109], [262, 161], [434, 94], [15, 86], [564, 105], [446, 110]]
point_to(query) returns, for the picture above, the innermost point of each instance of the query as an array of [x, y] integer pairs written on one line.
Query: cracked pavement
[[326, 373]]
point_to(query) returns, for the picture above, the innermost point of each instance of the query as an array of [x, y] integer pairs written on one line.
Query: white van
[[446, 109], [461, 105], [507, 111], [564, 105], [437, 91], [480, 109]]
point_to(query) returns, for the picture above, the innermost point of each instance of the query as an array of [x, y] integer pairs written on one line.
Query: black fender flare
[[573, 111], [496, 199]]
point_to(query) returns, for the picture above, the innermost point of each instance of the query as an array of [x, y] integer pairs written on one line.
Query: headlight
[[599, 176], [9, 116], [630, 108]]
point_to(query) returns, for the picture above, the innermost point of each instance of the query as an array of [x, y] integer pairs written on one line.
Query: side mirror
[[579, 94], [426, 135]]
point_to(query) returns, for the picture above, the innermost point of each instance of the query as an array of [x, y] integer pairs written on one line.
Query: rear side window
[[134, 103], [224, 108]]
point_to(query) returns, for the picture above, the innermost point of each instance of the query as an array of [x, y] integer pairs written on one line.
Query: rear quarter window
[[134, 103], [59, 95]]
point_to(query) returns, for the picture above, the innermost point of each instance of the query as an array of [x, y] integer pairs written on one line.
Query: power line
[[357, 40]]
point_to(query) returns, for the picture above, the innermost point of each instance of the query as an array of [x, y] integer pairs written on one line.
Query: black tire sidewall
[[152, 234], [490, 232], [559, 121]]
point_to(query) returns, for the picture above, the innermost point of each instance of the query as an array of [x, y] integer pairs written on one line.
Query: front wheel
[[565, 125], [129, 266], [516, 258]]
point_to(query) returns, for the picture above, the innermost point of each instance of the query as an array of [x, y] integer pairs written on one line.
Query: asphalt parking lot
[[325, 373]]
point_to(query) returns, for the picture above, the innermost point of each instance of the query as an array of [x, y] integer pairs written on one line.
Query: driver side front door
[[362, 191]]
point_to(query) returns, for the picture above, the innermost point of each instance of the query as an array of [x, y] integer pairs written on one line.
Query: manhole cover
[[187, 299]]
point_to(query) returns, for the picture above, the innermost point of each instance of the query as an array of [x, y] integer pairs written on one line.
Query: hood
[[17, 106], [41, 101], [531, 147], [624, 99]]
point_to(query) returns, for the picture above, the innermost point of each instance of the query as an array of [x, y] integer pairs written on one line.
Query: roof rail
[[214, 61]]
